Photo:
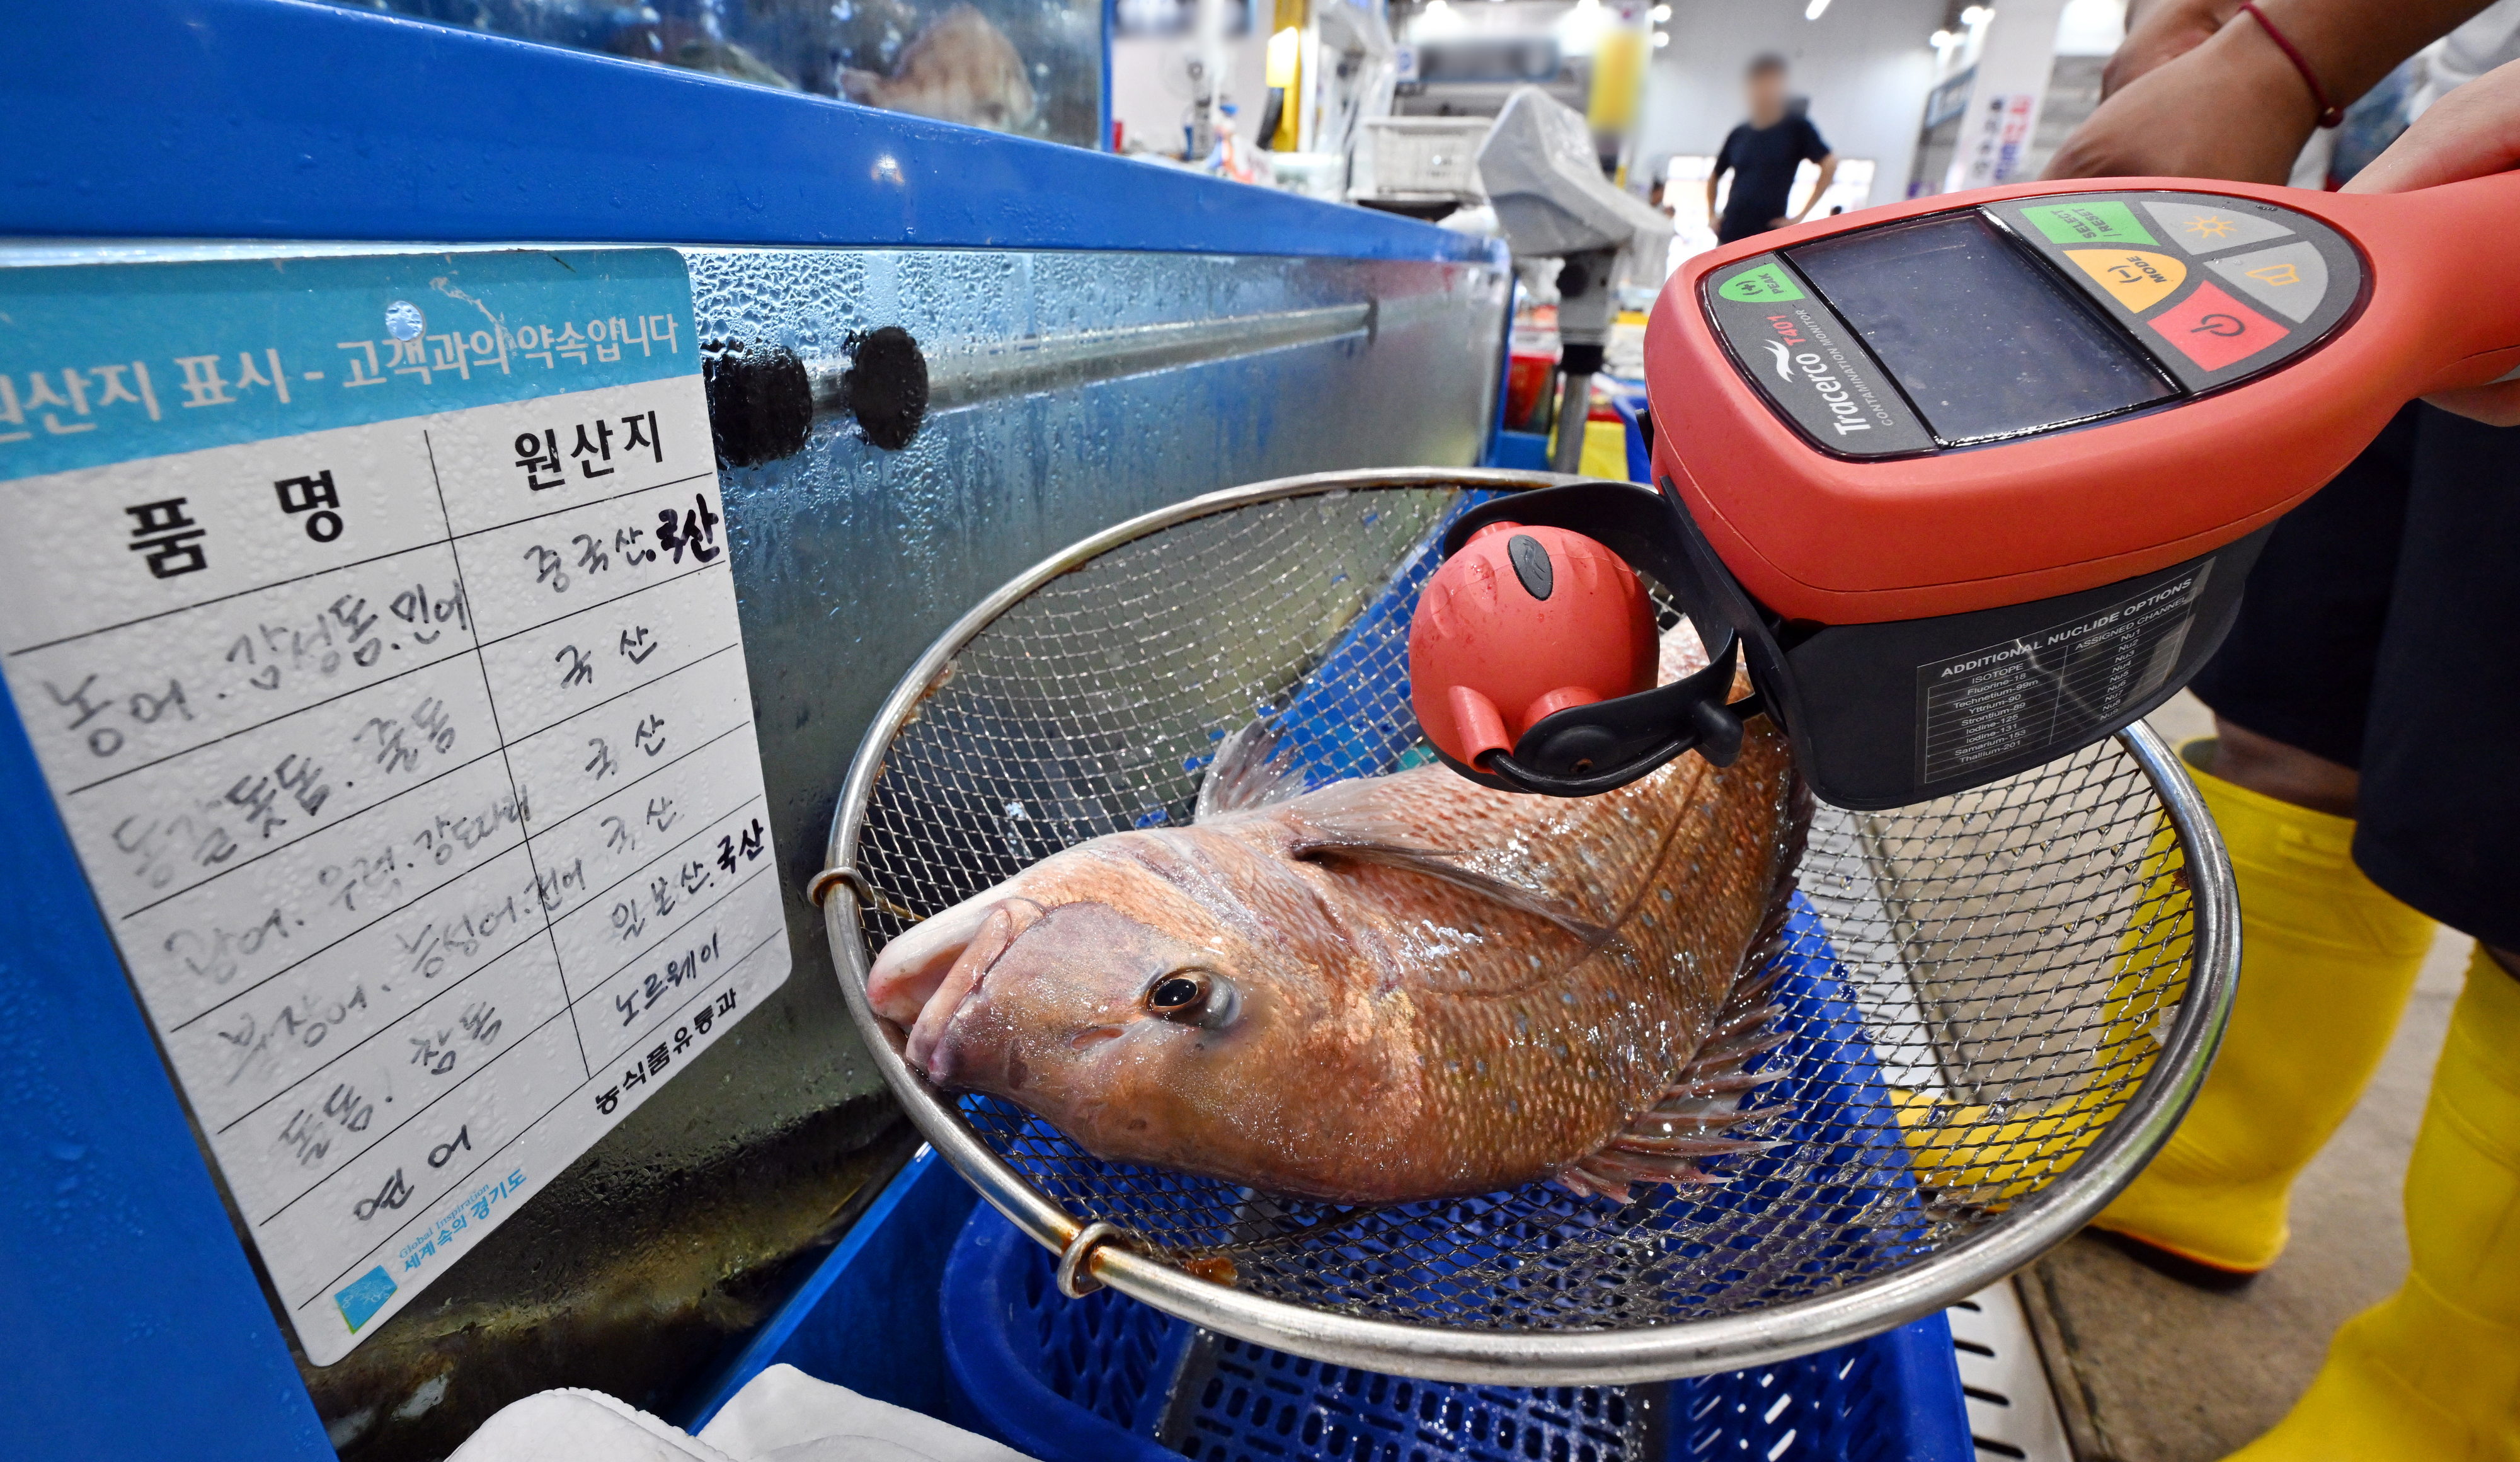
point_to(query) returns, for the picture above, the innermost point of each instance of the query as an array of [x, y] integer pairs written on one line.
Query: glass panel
[[1031, 67], [1986, 343]]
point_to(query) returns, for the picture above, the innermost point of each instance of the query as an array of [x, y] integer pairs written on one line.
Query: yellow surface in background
[[1618, 77], [1285, 72], [1605, 450]]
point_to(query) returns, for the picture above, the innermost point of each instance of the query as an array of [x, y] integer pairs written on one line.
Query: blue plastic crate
[[1105, 1377], [1494, 1266]]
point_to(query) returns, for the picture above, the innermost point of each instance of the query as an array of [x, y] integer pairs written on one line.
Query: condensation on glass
[[1073, 391], [1028, 67]]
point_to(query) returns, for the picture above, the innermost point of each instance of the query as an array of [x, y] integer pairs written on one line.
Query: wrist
[[2247, 61], [2328, 111], [2161, 32], [2346, 62]]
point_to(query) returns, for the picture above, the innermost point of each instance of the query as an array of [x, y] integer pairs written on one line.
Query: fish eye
[[1194, 997], [1178, 996]]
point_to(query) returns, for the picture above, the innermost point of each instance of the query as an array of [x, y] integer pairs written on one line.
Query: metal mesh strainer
[[2001, 1001]]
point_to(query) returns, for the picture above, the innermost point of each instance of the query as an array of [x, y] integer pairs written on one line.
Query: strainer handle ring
[[821, 886], [1075, 1276]]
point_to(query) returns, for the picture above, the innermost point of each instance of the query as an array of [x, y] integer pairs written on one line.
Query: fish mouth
[[912, 967], [954, 973]]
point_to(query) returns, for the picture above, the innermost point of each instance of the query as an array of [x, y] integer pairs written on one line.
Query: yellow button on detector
[[2133, 277]]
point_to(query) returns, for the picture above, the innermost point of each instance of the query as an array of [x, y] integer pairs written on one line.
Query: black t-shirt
[[1762, 161]]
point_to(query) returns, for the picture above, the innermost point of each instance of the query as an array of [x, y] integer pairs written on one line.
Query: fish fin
[[1719, 1087], [1254, 767], [1613, 1169], [1682, 1145], [1584, 1184], [1437, 864], [1668, 1141]]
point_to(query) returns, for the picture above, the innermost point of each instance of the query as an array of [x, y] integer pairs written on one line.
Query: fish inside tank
[[1033, 68]]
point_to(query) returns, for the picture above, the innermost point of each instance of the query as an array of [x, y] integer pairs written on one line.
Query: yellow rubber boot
[[2326, 963], [2432, 1373]]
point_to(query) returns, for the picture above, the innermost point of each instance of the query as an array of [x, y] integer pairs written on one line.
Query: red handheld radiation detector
[[1975, 479]]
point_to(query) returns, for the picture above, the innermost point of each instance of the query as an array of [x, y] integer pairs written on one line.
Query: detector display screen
[[1982, 339]]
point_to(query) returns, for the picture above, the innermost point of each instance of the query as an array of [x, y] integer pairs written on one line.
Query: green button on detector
[[1764, 285], [2088, 224]]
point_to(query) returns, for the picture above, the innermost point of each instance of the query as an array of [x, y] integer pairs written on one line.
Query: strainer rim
[[2033, 1224]]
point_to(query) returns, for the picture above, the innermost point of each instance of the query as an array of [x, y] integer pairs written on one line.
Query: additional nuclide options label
[[372, 624], [2058, 687], [1805, 360]]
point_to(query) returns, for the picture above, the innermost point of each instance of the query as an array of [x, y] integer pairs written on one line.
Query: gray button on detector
[[2290, 280], [2203, 228]]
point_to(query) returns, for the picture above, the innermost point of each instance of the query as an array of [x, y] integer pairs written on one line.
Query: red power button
[[2214, 329]]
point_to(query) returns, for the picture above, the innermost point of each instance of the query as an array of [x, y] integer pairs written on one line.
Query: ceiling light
[[1661, 39], [1813, 11], [1661, 14], [1941, 38], [1976, 15]]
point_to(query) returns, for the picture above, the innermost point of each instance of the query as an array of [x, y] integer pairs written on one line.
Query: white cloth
[[782, 1415], [580, 1426], [2490, 38]]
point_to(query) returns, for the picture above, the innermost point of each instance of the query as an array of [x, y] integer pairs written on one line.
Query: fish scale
[[1637, 1007]]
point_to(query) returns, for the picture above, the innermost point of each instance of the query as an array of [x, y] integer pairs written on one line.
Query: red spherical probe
[[1522, 622]]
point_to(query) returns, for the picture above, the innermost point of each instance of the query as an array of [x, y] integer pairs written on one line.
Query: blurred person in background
[[1763, 154], [2365, 772]]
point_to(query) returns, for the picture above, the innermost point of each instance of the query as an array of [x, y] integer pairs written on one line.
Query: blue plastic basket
[[1105, 1377]]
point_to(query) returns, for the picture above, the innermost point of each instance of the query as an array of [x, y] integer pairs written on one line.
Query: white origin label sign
[[372, 624]]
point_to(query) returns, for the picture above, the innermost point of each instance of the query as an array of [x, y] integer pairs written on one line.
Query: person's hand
[[2230, 106], [2160, 33], [2473, 132]]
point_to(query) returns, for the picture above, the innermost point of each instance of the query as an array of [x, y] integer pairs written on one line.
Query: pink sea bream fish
[[1391, 989], [958, 68]]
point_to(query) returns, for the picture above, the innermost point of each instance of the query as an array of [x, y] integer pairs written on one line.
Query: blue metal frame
[[1110, 24], [868, 1318], [138, 1329], [288, 119]]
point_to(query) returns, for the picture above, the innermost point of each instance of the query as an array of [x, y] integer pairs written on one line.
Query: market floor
[[2148, 1369]]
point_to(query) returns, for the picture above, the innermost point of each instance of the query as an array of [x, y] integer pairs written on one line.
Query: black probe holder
[[1847, 696]]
